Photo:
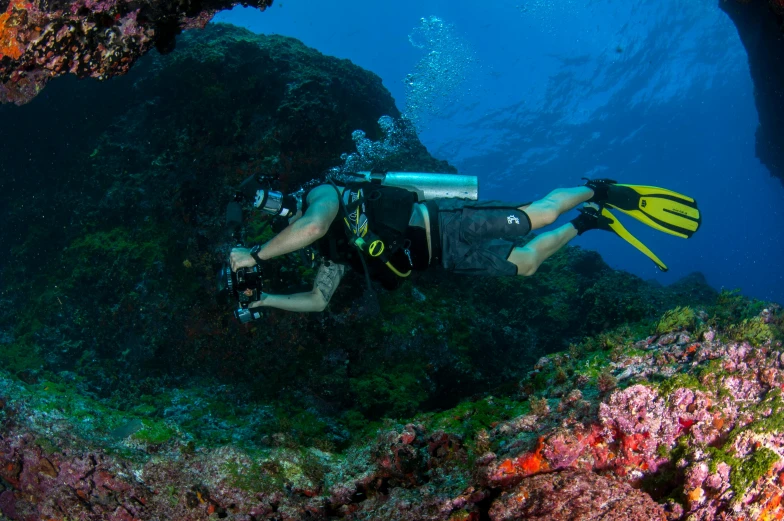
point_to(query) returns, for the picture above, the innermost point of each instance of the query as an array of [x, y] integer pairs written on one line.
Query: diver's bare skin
[[316, 300], [542, 213], [323, 206]]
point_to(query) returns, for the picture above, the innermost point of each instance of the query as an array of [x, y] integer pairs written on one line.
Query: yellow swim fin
[[597, 216], [659, 208]]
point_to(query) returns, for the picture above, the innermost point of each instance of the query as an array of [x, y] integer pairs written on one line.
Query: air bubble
[[437, 81]]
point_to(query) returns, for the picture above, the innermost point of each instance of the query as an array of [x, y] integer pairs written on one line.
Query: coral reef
[[693, 431], [760, 24], [88, 38], [575, 495]]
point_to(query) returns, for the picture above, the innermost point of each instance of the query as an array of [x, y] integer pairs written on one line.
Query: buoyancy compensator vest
[[370, 230]]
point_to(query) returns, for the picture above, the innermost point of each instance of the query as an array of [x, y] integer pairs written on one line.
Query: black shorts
[[476, 238]]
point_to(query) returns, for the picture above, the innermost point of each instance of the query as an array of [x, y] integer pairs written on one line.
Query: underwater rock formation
[[570, 494], [40, 40], [693, 430], [760, 24], [137, 173]]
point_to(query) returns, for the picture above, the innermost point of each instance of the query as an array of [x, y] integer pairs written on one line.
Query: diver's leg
[[546, 210], [528, 258]]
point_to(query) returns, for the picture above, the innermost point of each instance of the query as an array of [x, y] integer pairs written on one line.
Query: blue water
[[643, 92]]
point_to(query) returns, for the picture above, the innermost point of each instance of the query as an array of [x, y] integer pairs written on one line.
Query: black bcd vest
[[372, 212]]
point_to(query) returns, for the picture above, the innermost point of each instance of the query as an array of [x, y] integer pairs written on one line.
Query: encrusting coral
[[694, 428]]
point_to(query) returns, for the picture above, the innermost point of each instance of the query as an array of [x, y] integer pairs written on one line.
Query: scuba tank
[[426, 186]]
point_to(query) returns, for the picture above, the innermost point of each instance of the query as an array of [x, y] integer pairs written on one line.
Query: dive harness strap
[[363, 239]]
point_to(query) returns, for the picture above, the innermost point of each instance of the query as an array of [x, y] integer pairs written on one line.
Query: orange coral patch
[[773, 510], [506, 467], [525, 465], [532, 462], [695, 495], [9, 30]]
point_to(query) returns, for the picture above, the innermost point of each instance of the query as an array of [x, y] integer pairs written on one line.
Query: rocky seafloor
[[682, 423]]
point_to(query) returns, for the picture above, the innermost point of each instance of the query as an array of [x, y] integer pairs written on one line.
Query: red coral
[[529, 463]]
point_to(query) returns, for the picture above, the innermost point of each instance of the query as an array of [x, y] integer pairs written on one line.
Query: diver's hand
[[241, 258]]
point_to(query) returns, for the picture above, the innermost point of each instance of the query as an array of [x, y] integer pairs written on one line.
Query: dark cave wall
[[761, 28]]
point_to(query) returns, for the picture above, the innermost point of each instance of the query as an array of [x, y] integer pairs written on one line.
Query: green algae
[[662, 450], [313, 467], [269, 471], [145, 409], [752, 469], [398, 390], [259, 474], [469, 418], [770, 415], [744, 472], [617, 299], [594, 365], [305, 426], [666, 482], [676, 319], [154, 432], [752, 330], [124, 430], [117, 244], [679, 380], [20, 356], [258, 231], [732, 307], [48, 446]]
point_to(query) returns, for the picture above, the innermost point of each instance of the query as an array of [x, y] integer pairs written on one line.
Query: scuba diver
[[388, 225]]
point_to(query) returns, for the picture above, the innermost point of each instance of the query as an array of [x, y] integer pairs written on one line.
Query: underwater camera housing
[[257, 190], [243, 286]]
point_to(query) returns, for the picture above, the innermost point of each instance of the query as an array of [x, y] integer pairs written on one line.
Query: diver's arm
[[313, 225], [299, 302], [327, 281]]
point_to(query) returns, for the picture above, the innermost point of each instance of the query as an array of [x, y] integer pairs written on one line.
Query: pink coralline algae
[[717, 432], [575, 495], [88, 38], [74, 485]]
